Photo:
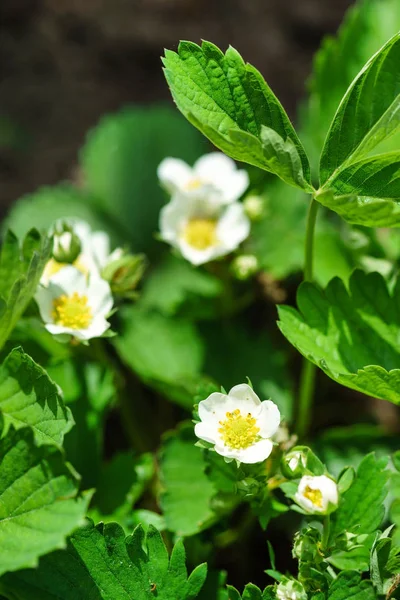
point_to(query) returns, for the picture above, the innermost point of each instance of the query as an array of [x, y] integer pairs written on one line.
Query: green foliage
[[48, 204], [376, 177], [184, 289], [352, 335], [358, 210], [29, 397], [349, 585], [123, 182], [20, 272], [278, 238], [166, 353], [230, 102], [186, 491], [102, 564], [361, 509], [366, 27], [368, 112], [39, 502]]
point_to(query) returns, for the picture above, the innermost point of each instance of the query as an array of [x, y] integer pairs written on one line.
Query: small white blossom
[[94, 254], [238, 424], [317, 494], [213, 171], [290, 590], [202, 228], [75, 304]]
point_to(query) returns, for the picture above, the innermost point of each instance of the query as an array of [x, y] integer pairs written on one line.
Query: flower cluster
[[204, 219], [75, 295]]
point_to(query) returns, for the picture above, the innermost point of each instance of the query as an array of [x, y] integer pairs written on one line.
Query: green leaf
[[20, 272], [251, 592], [361, 508], [48, 204], [377, 177], [352, 335], [348, 585], [100, 563], [184, 289], [29, 397], [358, 210], [230, 103], [39, 505], [367, 26], [123, 182], [166, 353], [186, 491], [355, 559], [369, 113]]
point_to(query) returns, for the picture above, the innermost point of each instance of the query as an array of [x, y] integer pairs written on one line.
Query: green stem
[[326, 532], [307, 378]]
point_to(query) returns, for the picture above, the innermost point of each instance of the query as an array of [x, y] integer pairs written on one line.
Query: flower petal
[[245, 398], [173, 217], [268, 419], [214, 407], [256, 453], [70, 280], [222, 172], [100, 297], [233, 227], [174, 174], [206, 431]]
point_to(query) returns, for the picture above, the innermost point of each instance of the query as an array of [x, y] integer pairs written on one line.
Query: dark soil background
[[63, 63]]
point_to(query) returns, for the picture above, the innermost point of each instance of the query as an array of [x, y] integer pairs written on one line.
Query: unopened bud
[[294, 464], [254, 207], [66, 244], [244, 266], [290, 589], [124, 271]]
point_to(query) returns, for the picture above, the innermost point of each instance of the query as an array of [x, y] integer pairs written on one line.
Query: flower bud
[[254, 207], [317, 495], [290, 589], [123, 271], [294, 463], [244, 266], [66, 244]]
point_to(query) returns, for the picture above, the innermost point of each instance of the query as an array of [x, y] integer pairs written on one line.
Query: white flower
[[290, 590], [214, 170], [75, 304], [317, 494], [94, 255], [202, 228], [238, 424]]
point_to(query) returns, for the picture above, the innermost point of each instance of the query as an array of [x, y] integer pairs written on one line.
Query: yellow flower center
[[194, 184], [238, 431], [72, 311], [52, 267], [201, 233], [314, 495]]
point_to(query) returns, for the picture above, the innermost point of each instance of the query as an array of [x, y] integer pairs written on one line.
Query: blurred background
[[64, 63]]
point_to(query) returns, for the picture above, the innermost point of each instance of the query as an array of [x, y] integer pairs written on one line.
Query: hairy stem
[[307, 378]]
